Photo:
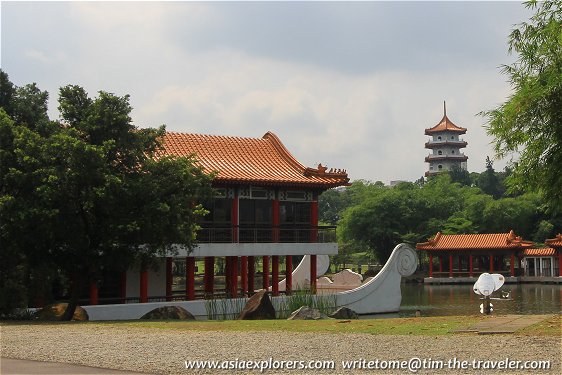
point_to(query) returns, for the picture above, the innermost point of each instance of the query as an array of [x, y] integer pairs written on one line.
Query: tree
[[529, 122], [96, 187], [489, 182]]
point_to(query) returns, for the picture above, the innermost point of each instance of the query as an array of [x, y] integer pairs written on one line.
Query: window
[[296, 195], [452, 137], [439, 138], [217, 223], [453, 152], [256, 218], [295, 221], [439, 166], [440, 152]]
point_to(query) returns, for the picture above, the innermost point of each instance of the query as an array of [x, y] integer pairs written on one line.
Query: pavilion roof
[[443, 242], [556, 242], [545, 252], [263, 161]]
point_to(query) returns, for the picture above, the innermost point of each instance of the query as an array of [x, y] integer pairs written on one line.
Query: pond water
[[438, 300], [434, 300]]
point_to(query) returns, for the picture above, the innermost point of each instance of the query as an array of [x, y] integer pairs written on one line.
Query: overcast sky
[[348, 85]]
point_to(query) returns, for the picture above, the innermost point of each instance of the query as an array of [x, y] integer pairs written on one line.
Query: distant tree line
[[373, 217]]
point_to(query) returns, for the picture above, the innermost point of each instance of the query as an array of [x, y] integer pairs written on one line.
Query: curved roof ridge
[[280, 147]]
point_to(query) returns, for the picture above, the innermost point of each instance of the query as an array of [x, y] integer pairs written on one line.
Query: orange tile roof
[[556, 242], [545, 252], [445, 125], [474, 241], [263, 160]]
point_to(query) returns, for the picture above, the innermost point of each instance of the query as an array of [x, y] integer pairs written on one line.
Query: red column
[[512, 264], [94, 293], [143, 285], [313, 273], [265, 269], [123, 286], [190, 278], [491, 263], [431, 265], [560, 262], [169, 278], [244, 274], [470, 272], [209, 276], [235, 218], [234, 277], [275, 275], [450, 265], [275, 220], [288, 274], [314, 220], [251, 275]]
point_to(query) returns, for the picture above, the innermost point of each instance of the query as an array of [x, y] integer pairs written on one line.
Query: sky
[[351, 85]]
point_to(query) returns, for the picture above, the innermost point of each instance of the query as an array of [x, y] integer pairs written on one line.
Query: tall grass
[[224, 308], [326, 303]]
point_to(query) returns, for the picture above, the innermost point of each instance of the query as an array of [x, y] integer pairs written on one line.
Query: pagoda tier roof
[[555, 242], [240, 160], [445, 125], [497, 241], [538, 252]]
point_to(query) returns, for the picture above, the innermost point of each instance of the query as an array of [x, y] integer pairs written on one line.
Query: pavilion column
[[123, 286], [235, 220], [491, 263], [169, 278], [276, 219], [560, 262], [190, 278], [94, 300], [275, 275], [288, 274], [470, 270], [314, 220], [143, 284], [431, 265], [512, 264], [209, 278], [251, 274], [450, 265], [440, 264], [313, 273], [244, 274], [265, 269], [234, 277]]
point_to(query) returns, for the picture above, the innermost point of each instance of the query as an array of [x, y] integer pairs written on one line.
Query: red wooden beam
[[190, 278], [169, 278], [288, 274], [275, 275]]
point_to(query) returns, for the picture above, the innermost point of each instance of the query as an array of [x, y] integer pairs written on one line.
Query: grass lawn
[[423, 326], [390, 326]]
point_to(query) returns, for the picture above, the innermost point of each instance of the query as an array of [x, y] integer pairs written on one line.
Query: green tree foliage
[[90, 193], [529, 123], [379, 217]]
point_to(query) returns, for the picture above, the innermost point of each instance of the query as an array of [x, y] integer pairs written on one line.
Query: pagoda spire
[[444, 108]]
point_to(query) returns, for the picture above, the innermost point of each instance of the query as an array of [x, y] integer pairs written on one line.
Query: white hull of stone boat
[[381, 294]]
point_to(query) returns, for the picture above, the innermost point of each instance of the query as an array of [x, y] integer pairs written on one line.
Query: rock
[[55, 311], [169, 312], [259, 306], [306, 313], [344, 313]]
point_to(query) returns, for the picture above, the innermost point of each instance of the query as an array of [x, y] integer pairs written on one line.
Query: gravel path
[[165, 351]]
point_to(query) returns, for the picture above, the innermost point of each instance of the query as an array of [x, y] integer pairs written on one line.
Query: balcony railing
[[234, 234]]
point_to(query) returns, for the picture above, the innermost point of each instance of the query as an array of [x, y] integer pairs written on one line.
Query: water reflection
[[436, 300]]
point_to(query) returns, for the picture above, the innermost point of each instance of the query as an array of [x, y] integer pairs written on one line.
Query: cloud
[[349, 85]]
